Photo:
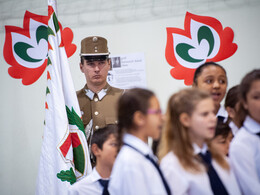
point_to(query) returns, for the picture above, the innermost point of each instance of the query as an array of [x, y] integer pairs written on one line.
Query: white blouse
[[133, 173], [88, 185], [245, 156], [182, 181], [233, 128]]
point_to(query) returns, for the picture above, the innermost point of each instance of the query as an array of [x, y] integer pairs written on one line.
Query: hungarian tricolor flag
[[64, 156]]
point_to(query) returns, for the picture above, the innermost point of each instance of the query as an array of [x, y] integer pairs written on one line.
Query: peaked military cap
[[94, 46]]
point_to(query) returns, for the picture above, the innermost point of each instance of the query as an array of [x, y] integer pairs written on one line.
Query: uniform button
[[95, 99], [96, 127], [96, 113], [116, 122]]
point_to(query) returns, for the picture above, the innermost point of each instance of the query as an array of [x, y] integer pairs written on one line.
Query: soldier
[[97, 100]]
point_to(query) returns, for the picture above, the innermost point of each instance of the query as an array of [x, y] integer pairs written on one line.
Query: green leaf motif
[[42, 33], [21, 48], [182, 50], [78, 152], [204, 32], [68, 176], [74, 119], [55, 22], [47, 90], [50, 31], [49, 61], [79, 159]]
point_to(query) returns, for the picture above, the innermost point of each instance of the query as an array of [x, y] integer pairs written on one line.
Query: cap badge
[[95, 39]]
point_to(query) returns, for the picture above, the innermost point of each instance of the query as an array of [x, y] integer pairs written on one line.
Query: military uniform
[[100, 107]]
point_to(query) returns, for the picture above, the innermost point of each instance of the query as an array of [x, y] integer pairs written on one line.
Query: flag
[[64, 155]]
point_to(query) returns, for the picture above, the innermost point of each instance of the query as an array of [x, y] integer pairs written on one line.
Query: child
[[184, 153], [231, 105], [222, 138], [212, 77], [135, 170], [104, 147], [245, 147]]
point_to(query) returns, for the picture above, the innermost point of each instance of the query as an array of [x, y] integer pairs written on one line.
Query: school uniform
[[245, 156], [182, 181], [222, 114], [89, 185], [233, 128], [133, 173]]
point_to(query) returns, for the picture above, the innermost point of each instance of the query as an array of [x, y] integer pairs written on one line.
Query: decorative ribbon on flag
[[203, 40], [64, 155]]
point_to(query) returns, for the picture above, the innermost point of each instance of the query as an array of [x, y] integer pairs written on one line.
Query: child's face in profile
[[221, 144], [154, 120], [109, 151], [252, 103], [202, 122]]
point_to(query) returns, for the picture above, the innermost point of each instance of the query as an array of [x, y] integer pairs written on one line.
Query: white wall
[[22, 107]]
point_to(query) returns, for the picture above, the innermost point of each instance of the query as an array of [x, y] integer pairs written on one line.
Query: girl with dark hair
[[222, 138], [245, 147], [188, 162], [231, 105], [135, 170], [212, 77]]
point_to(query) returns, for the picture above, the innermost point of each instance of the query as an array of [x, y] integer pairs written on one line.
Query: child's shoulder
[[242, 138], [244, 144], [169, 160], [129, 155]]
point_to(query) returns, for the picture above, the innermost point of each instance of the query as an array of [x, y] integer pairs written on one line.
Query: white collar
[[251, 125], [102, 93], [233, 127], [96, 176], [222, 112], [198, 150], [138, 144]]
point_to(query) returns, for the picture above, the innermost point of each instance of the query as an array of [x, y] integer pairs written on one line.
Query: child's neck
[[139, 134], [103, 171], [200, 142], [216, 108]]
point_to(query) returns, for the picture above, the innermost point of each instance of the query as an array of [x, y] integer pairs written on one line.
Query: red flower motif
[[26, 48], [203, 40]]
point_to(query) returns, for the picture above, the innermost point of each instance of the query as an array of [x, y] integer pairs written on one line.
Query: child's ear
[[185, 119], [95, 149], [231, 112], [244, 104], [139, 118]]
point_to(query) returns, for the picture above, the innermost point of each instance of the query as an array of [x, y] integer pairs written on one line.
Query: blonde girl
[[184, 152]]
